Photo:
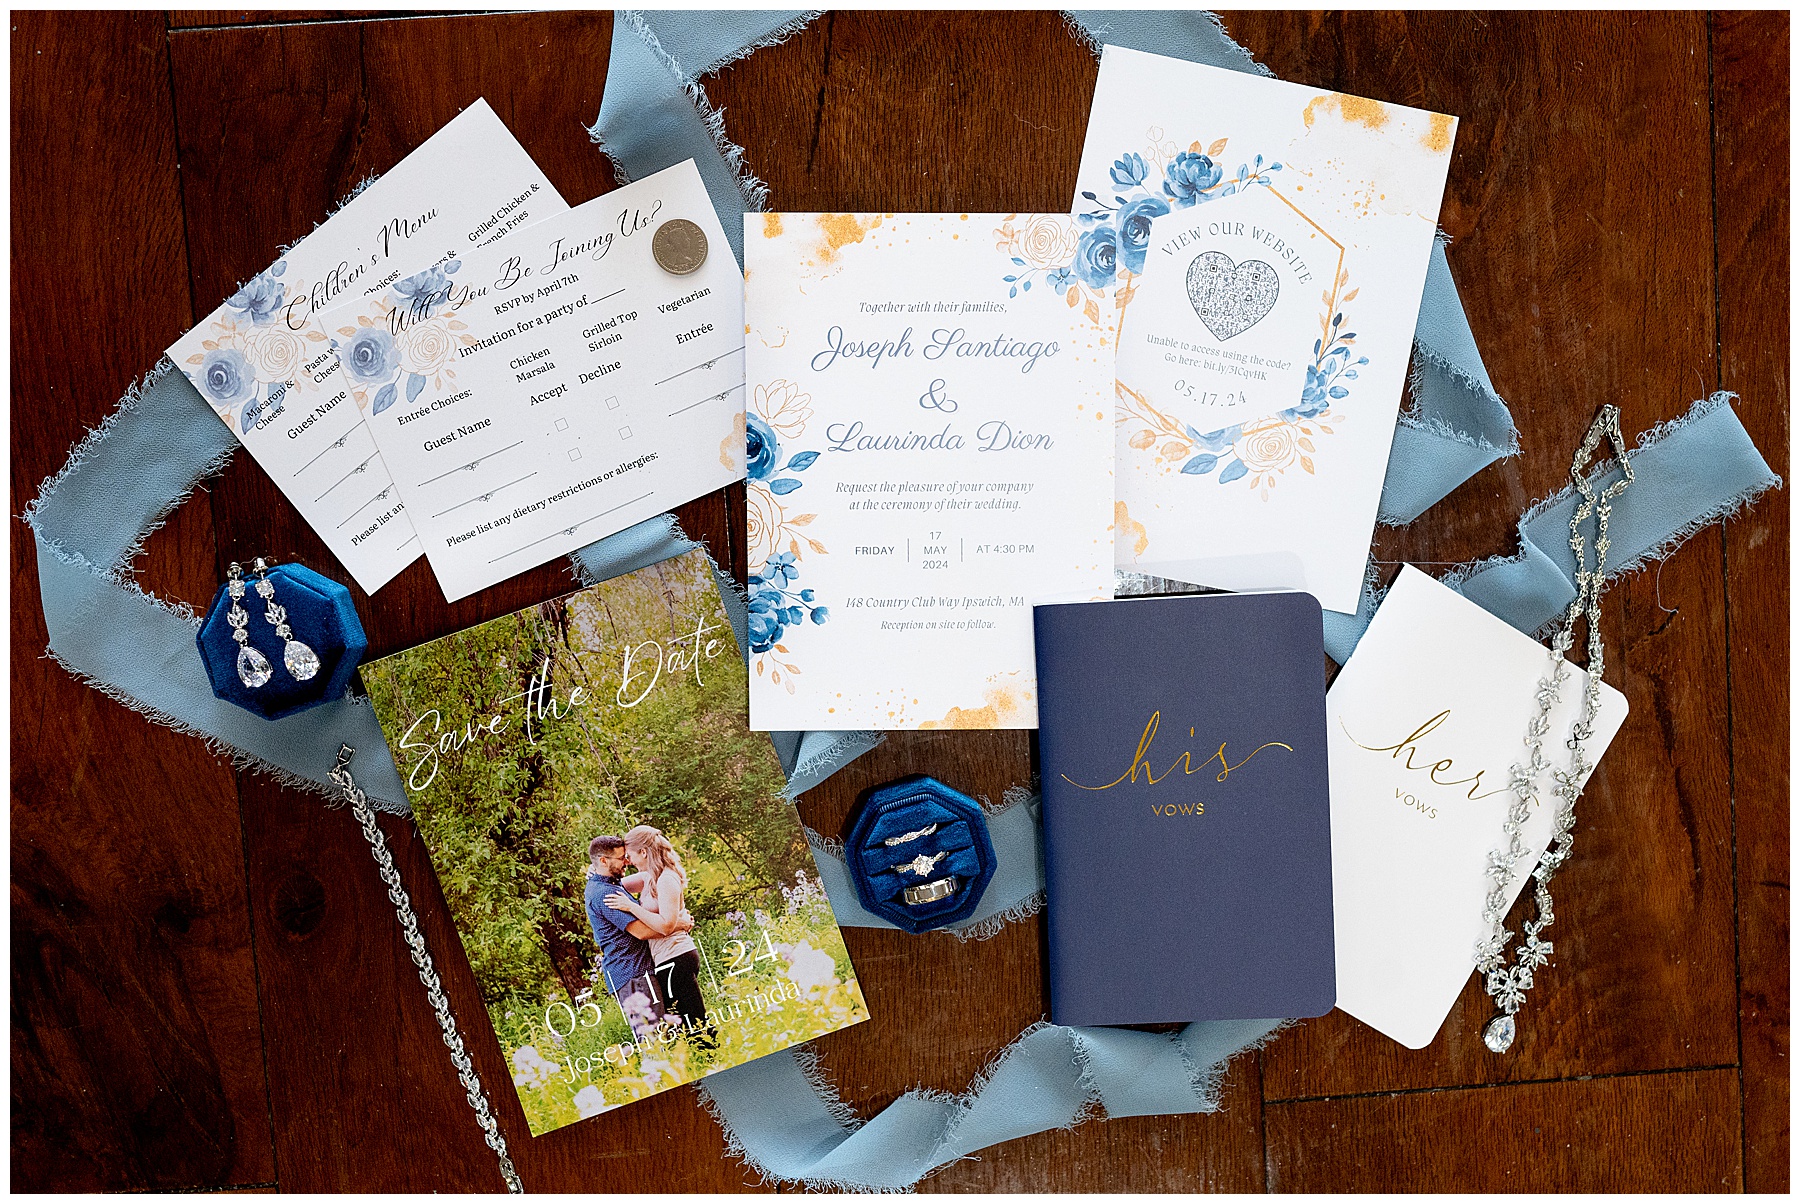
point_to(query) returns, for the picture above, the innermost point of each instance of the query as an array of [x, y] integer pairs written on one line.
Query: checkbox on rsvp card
[[562, 424], [624, 432], [612, 403], [574, 453]]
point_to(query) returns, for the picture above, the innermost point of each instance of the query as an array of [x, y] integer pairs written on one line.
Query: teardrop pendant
[[300, 660], [1498, 1035], [253, 667]]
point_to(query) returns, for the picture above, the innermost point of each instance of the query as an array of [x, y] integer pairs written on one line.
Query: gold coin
[[679, 246]]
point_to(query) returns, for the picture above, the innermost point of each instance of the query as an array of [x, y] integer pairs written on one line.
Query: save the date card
[[1271, 241], [929, 437]]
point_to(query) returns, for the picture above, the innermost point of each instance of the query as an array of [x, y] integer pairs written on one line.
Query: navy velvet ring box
[[959, 847]]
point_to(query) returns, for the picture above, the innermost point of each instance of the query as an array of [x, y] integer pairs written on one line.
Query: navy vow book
[[1187, 825]]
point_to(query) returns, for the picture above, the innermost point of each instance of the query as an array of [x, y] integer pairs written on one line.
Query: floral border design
[[777, 411], [1158, 181], [249, 360], [379, 363]]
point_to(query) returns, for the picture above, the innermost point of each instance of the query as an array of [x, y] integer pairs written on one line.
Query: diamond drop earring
[[253, 667], [302, 662]]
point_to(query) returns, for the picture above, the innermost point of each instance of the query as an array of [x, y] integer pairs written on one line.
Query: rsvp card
[[929, 438], [1272, 241], [1424, 725], [264, 363], [537, 395]]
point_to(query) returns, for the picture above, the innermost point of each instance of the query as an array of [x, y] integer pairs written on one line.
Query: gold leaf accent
[[1143, 439]]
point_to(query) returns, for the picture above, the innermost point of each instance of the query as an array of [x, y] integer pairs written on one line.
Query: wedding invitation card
[[630, 931], [929, 455], [1187, 829], [264, 364], [1271, 240], [532, 397], [1425, 723]]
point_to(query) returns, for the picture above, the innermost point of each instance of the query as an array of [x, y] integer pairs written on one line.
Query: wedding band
[[927, 830], [921, 865], [931, 892]]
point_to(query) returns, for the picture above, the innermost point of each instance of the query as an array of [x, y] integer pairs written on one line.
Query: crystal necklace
[[1507, 985]]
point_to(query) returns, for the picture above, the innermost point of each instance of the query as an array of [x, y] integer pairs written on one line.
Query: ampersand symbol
[[935, 398]]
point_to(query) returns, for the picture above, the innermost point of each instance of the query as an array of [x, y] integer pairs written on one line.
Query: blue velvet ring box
[[322, 617], [961, 836]]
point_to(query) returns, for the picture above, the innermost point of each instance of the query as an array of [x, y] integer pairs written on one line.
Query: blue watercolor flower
[[1130, 171], [261, 297], [1134, 230], [780, 569], [762, 451], [1189, 176], [1097, 256], [773, 607], [226, 377], [427, 289], [765, 628], [370, 355]]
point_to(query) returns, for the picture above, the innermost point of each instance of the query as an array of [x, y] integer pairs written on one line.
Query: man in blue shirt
[[626, 967]]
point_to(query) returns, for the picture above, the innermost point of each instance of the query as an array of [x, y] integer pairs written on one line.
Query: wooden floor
[[208, 986]]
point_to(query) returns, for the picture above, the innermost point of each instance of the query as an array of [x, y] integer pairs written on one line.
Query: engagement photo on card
[[632, 886]]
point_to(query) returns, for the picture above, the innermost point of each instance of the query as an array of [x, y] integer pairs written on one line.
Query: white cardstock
[[533, 397], [264, 364], [1271, 241], [1424, 725], [929, 456]]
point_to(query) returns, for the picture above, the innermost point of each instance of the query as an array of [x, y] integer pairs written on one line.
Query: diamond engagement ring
[[920, 865], [931, 892], [904, 837]]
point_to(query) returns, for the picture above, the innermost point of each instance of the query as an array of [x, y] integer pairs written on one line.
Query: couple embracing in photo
[[648, 959]]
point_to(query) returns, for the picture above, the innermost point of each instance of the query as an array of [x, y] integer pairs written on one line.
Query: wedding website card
[[1271, 240], [264, 363], [929, 455], [533, 397], [1424, 724]]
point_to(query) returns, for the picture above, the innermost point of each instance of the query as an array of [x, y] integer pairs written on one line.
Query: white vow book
[[1424, 725]]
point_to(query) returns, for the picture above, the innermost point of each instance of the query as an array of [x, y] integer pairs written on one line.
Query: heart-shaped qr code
[[1231, 297]]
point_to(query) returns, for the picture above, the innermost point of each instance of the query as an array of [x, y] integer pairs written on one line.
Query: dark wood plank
[[202, 18], [136, 1053], [884, 111], [1657, 1132], [1750, 148], [327, 930], [337, 103], [1567, 263]]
